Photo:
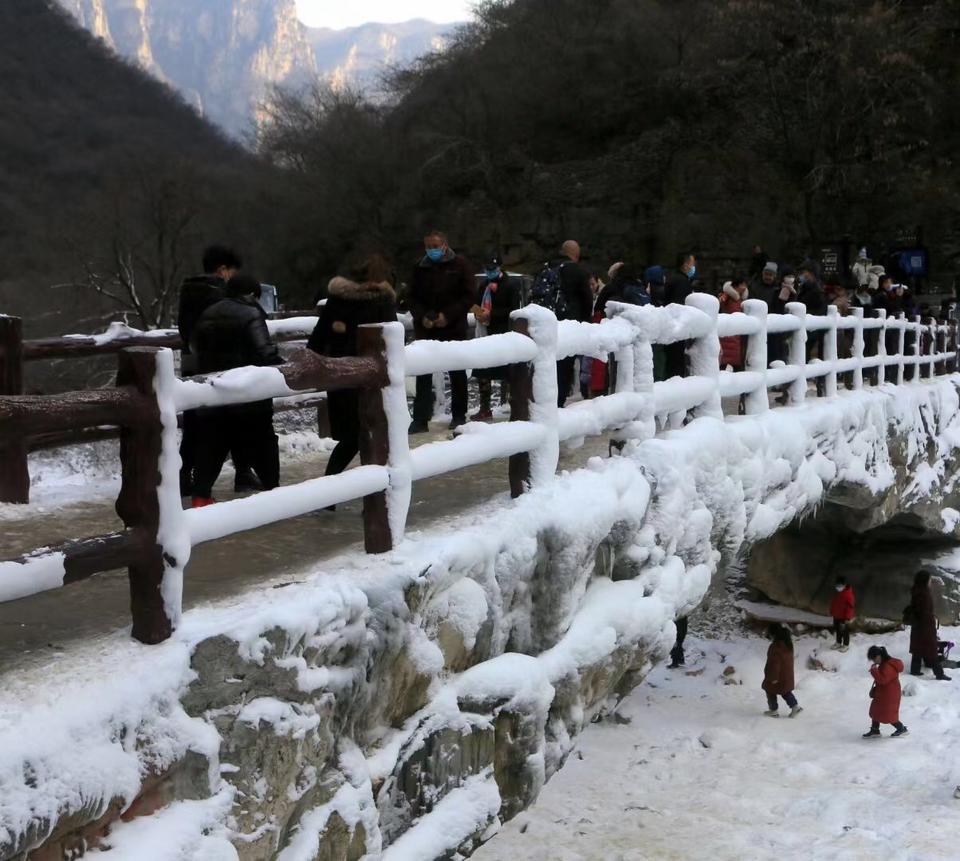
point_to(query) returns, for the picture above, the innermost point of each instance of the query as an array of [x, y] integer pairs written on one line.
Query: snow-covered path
[[72, 504], [699, 773]]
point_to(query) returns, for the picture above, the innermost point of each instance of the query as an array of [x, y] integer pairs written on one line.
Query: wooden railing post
[[374, 442], [14, 475], [521, 394], [138, 504], [797, 390], [758, 400]]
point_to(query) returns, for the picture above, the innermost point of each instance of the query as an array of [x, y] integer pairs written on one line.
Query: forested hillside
[[639, 127], [109, 183], [647, 126]]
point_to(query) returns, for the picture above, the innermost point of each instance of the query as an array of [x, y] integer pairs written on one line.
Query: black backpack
[[547, 291]]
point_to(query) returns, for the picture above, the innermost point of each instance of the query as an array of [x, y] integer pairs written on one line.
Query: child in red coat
[[885, 693], [841, 608]]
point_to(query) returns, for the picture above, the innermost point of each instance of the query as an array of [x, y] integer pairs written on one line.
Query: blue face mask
[[691, 272], [435, 254], [492, 274]]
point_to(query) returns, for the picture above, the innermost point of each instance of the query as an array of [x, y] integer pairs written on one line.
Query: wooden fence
[[15, 352], [159, 534]]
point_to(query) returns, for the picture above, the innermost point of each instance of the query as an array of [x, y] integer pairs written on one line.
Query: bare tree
[[140, 248]]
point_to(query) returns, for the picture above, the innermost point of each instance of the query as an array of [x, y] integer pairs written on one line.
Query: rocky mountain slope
[[225, 55]]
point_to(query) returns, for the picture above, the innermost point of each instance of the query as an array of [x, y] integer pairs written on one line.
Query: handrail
[[159, 535]]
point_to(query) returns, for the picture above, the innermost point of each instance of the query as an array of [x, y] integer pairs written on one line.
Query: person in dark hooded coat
[[365, 295], [923, 629], [197, 293], [778, 672], [232, 333]]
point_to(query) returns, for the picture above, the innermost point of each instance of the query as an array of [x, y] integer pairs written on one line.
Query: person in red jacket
[[732, 297], [778, 672], [842, 611], [885, 693]]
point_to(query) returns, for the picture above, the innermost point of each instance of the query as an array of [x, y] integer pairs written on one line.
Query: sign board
[[831, 260]]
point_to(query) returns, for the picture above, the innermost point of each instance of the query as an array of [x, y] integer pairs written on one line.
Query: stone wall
[[402, 706]]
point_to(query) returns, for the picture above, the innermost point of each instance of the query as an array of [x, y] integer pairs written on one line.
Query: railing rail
[[159, 534]]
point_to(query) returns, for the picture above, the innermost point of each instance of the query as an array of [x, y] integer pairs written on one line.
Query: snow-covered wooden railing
[[15, 351], [160, 534]]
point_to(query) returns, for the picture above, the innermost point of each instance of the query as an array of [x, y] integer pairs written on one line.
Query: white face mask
[[839, 588]]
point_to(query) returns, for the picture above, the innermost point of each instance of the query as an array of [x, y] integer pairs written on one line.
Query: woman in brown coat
[[778, 672], [923, 629]]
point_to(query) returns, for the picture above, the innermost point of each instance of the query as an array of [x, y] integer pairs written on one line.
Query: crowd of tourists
[[223, 326]]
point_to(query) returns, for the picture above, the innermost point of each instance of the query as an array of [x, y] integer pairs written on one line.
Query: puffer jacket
[[232, 333], [197, 293], [446, 287]]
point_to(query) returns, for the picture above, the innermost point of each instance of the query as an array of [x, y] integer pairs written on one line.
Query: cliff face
[[356, 56], [225, 55], [222, 57]]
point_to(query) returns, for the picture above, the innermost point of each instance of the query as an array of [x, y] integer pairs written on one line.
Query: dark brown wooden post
[[374, 442], [323, 418], [138, 503], [521, 393], [14, 476]]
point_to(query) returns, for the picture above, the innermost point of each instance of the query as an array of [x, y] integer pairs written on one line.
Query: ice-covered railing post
[[383, 437], [640, 363], [882, 347], [797, 353], [155, 598], [830, 351], [533, 398], [857, 350], [704, 354], [757, 400], [932, 349], [901, 346], [917, 329], [941, 347], [14, 476]]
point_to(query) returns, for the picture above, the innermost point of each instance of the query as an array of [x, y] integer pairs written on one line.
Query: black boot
[[246, 480]]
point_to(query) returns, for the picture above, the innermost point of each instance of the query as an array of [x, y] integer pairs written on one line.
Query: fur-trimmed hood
[[731, 291], [344, 288]]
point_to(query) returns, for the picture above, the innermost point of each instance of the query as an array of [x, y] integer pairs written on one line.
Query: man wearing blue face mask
[[679, 286], [441, 292]]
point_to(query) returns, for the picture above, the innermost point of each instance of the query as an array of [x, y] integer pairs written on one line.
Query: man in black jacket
[[442, 291], [232, 333], [679, 286], [197, 293], [575, 284]]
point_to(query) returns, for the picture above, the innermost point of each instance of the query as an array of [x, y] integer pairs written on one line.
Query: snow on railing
[[160, 534]]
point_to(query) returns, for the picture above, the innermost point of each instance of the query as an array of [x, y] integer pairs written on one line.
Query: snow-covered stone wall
[[402, 706]]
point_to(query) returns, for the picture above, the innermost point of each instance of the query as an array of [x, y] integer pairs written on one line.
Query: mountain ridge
[[225, 58]]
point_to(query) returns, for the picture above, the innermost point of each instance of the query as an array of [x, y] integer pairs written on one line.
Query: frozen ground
[[700, 773]]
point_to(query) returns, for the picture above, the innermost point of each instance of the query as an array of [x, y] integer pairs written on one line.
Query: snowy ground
[[700, 773]]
